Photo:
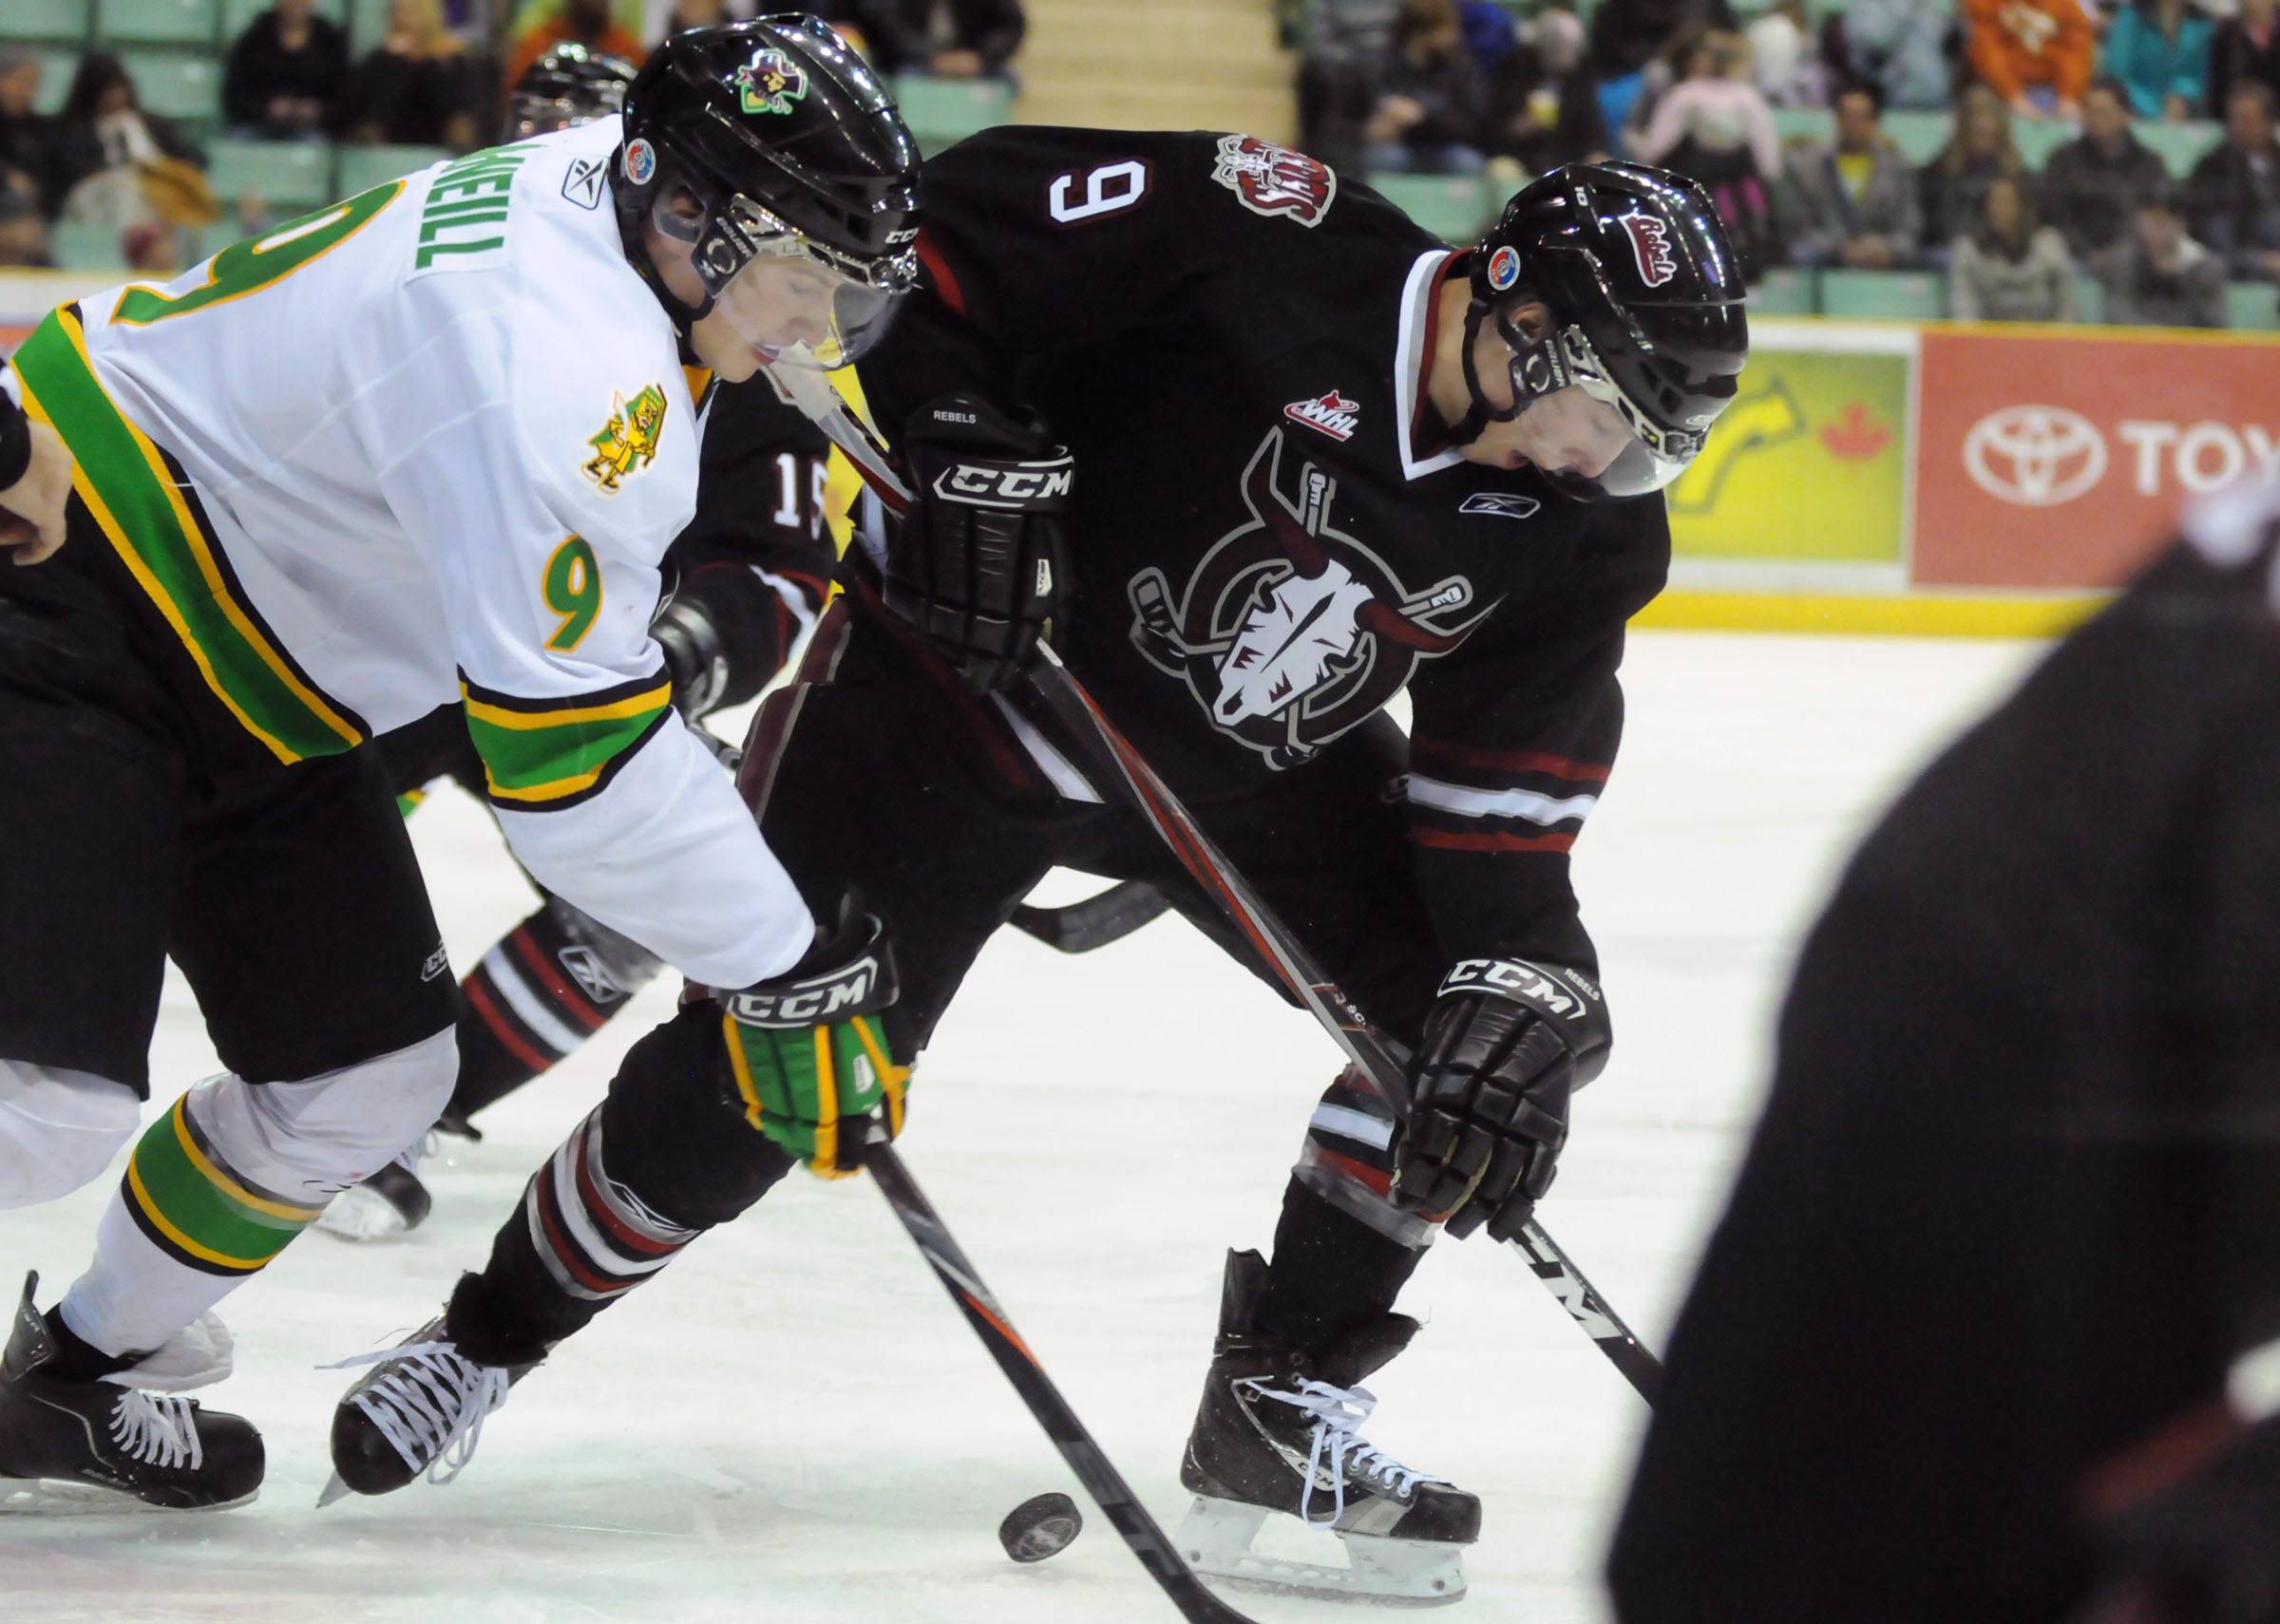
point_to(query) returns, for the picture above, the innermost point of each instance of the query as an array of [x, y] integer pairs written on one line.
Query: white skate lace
[[431, 1408], [157, 1430], [1337, 1414]]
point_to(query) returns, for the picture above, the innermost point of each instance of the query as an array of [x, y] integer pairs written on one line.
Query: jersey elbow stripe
[[143, 503], [541, 755], [184, 1197]]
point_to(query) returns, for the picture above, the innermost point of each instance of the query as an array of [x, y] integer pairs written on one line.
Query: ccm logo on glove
[[1040, 486], [808, 1002]]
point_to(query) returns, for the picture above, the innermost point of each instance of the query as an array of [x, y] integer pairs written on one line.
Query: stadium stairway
[[1165, 65]]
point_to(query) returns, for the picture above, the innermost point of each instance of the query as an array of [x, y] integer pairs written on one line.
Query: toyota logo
[[2035, 456]]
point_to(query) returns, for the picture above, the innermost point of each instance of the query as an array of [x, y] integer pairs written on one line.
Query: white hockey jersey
[[430, 445]]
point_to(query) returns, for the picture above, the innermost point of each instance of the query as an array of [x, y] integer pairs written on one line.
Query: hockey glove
[[1505, 1042], [810, 1053], [978, 563]]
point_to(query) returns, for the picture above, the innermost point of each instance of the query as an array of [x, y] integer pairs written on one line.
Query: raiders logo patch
[[628, 442], [1650, 246], [1274, 180]]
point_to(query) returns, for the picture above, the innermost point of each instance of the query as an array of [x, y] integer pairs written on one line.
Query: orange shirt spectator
[[588, 23], [2019, 45]]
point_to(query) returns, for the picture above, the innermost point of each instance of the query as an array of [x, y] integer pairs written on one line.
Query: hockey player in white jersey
[[427, 443]]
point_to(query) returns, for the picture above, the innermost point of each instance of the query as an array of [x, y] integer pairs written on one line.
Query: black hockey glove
[[1506, 1041], [978, 562], [810, 1054]]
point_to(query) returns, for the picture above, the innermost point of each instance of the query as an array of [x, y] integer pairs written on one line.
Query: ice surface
[[792, 1424]]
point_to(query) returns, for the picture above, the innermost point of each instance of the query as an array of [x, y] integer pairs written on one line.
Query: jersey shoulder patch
[[1277, 182]]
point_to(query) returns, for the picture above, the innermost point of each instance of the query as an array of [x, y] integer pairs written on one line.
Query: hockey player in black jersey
[[1261, 454], [2013, 1211]]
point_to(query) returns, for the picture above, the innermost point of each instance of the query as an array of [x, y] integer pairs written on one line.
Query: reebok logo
[[1331, 414], [1502, 505]]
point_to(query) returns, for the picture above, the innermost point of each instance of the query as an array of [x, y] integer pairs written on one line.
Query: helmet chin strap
[[1478, 413]]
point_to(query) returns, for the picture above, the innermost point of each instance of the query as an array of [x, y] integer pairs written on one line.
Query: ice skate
[[1278, 1434], [102, 1445], [419, 1410], [394, 1202]]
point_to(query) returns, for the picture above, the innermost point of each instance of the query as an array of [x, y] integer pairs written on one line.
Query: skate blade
[[358, 1215], [1215, 1540], [334, 1489], [68, 1497]]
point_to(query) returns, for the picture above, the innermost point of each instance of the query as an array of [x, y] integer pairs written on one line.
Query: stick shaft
[[1280, 949], [990, 1322]]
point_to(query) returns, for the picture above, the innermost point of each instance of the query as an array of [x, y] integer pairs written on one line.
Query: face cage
[[868, 291], [529, 114], [1655, 456]]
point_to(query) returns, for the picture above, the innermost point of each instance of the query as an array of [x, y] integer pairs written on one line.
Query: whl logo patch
[[770, 82], [1650, 246], [1332, 414]]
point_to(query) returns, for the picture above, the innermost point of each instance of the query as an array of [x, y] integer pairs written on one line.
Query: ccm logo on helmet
[[1650, 246], [985, 484], [809, 1003]]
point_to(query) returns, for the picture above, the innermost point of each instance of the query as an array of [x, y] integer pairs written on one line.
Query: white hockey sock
[[223, 1182]]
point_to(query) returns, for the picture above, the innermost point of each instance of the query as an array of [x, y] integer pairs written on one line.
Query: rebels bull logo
[[1291, 631], [1650, 246], [1273, 179]]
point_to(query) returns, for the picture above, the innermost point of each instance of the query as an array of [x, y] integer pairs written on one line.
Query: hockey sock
[[580, 1241], [537, 994], [1330, 1272], [223, 1181]]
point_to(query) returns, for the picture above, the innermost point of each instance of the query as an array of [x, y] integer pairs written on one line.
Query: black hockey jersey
[[2015, 1203], [1271, 535]]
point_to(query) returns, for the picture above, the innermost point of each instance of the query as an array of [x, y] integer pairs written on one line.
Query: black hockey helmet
[[570, 85], [1645, 300], [791, 150]]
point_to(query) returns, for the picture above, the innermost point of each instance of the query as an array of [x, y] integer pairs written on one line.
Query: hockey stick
[[1080, 927], [1282, 951], [1101, 1480]]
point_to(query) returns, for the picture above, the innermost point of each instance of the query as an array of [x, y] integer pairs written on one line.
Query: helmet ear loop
[[1478, 413]]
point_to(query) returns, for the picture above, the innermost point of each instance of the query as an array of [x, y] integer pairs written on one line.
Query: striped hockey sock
[[594, 1235], [537, 995]]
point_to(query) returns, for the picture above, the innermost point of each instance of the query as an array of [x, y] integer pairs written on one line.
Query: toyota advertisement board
[[2059, 459]]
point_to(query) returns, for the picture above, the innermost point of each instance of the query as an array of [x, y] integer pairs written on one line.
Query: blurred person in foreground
[[2013, 1212]]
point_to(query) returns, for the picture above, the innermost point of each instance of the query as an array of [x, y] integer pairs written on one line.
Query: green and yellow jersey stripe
[[143, 506], [542, 755]]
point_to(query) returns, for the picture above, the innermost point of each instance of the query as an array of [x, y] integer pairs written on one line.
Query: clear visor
[[1616, 448], [795, 301], [529, 115]]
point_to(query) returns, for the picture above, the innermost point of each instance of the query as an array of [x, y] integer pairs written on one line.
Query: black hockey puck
[[1039, 1528]]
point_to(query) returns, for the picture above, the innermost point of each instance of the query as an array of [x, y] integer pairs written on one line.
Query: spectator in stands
[[1429, 110], [1901, 48], [2037, 54], [2093, 184], [2246, 47], [1857, 203], [1629, 37], [588, 22], [29, 142], [287, 73], [949, 39], [103, 129], [2160, 276], [1544, 106], [2158, 50], [1787, 56], [1339, 45], [420, 87], [23, 225], [1979, 152], [2232, 202], [2010, 268], [1714, 126]]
